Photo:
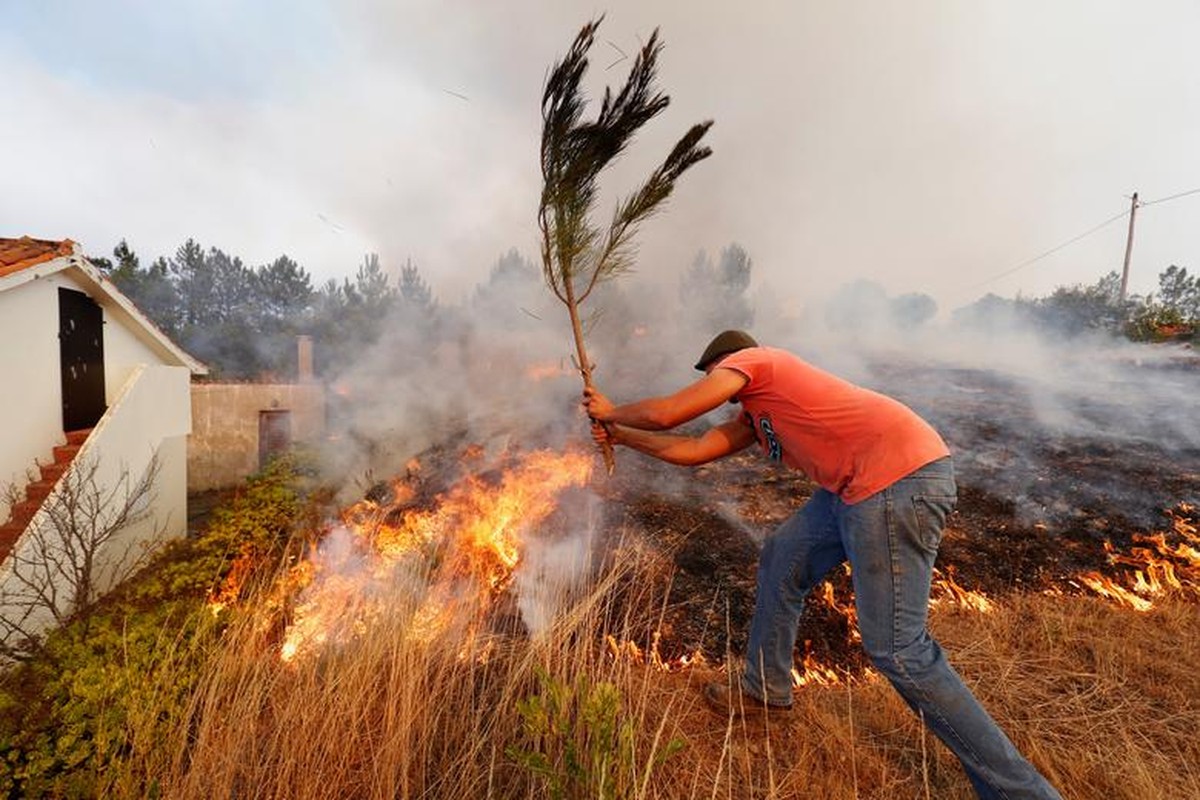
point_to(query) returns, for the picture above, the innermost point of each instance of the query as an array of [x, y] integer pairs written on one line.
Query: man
[[886, 485]]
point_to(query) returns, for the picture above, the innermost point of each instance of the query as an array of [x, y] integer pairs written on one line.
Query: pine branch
[[575, 152]]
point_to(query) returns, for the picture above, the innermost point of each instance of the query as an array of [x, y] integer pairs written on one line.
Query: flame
[[815, 673], [1157, 569], [463, 552], [546, 370], [847, 609], [948, 589], [1107, 587], [811, 671], [627, 650], [230, 589]]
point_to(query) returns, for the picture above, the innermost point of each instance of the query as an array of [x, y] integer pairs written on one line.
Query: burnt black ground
[[710, 521], [1039, 498]]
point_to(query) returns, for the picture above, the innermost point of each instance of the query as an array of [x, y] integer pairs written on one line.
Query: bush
[[1154, 322], [580, 742], [74, 715]]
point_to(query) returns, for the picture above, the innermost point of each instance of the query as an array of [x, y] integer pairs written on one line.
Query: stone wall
[[224, 446]]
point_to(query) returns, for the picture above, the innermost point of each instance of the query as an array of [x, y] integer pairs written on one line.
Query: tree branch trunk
[[585, 366]]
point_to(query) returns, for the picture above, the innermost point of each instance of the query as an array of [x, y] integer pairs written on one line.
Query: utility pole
[[1133, 207]]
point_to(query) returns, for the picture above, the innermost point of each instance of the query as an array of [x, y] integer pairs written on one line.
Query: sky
[[929, 145]]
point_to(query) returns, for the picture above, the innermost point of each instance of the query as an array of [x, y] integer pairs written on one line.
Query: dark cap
[[725, 343]]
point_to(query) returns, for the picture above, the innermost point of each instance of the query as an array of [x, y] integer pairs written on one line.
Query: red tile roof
[[19, 254]]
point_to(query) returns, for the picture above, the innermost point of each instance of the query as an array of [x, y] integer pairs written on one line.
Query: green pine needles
[[576, 253]]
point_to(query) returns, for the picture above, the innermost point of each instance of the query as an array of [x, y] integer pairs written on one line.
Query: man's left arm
[[664, 413]]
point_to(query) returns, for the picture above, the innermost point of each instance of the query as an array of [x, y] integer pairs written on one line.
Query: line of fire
[[481, 543]]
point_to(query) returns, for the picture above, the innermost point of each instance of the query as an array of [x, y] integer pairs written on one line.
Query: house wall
[[123, 352], [223, 447], [31, 396], [147, 391], [29, 362], [148, 419]]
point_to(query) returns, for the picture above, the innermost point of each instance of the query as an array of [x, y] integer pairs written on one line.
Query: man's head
[[725, 343]]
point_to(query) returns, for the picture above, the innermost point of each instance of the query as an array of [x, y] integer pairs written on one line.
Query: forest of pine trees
[[242, 320]]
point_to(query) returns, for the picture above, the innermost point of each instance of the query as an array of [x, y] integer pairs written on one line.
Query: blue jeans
[[891, 540]]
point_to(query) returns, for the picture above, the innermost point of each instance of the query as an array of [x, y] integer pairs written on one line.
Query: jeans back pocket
[[930, 511]]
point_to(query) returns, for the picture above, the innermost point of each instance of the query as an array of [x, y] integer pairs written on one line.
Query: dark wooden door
[[274, 434], [81, 358]]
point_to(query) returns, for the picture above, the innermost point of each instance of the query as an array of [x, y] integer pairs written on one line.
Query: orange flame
[[1162, 568], [230, 589], [814, 674], [947, 589], [627, 650], [1107, 587], [465, 550], [847, 609], [546, 370]]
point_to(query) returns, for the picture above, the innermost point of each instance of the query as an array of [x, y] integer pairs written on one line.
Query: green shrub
[[580, 741], [1155, 322], [91, 714]]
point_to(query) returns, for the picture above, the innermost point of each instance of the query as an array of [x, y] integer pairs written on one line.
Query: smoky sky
[[928, 146]]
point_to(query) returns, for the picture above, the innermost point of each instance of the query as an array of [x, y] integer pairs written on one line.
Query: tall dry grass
[[1102, 699]]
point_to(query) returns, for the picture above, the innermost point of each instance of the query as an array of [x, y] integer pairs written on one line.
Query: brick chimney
[[304, 359]]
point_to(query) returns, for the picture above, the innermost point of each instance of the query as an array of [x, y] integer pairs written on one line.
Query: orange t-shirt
[[850, 440]]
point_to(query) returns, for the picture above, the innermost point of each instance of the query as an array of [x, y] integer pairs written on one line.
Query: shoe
[[723, 701]]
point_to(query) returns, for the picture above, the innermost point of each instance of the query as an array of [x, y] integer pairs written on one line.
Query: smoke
[[1016, 406], [1082, 430], [932, 146], [553, 570], [494, 370], [1089, 429]]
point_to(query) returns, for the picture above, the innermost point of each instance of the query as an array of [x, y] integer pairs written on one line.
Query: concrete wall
[[31, 395], [31, 399], [148, 417], [123, 352], [223, 447]]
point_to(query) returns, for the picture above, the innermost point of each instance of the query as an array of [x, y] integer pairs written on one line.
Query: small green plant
[[581, 743]]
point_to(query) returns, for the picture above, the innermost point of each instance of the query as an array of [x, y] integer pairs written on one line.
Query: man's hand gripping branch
[[640, 424]]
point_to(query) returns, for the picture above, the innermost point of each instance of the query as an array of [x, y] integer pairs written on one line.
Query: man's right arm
[[715, 443]]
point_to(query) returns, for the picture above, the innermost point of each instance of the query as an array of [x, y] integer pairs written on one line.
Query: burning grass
[[1159, 565], [437, 642], [1098, 694], [1102, 698], [459, 555]]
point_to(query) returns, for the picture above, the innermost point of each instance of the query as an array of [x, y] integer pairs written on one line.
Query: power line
[[1055, 249], [1074, 239], [1171, 197]]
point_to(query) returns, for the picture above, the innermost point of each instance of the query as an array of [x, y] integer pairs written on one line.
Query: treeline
[[1172, 312], [242, 321]]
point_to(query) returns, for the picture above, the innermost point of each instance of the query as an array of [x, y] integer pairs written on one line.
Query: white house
[[87, 380]]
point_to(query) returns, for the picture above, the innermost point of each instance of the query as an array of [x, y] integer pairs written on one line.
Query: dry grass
[[1103, 700]]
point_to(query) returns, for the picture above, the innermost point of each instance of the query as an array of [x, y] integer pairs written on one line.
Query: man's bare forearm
[[685, 450], [673, 448], [651, 414], [664, 413]]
